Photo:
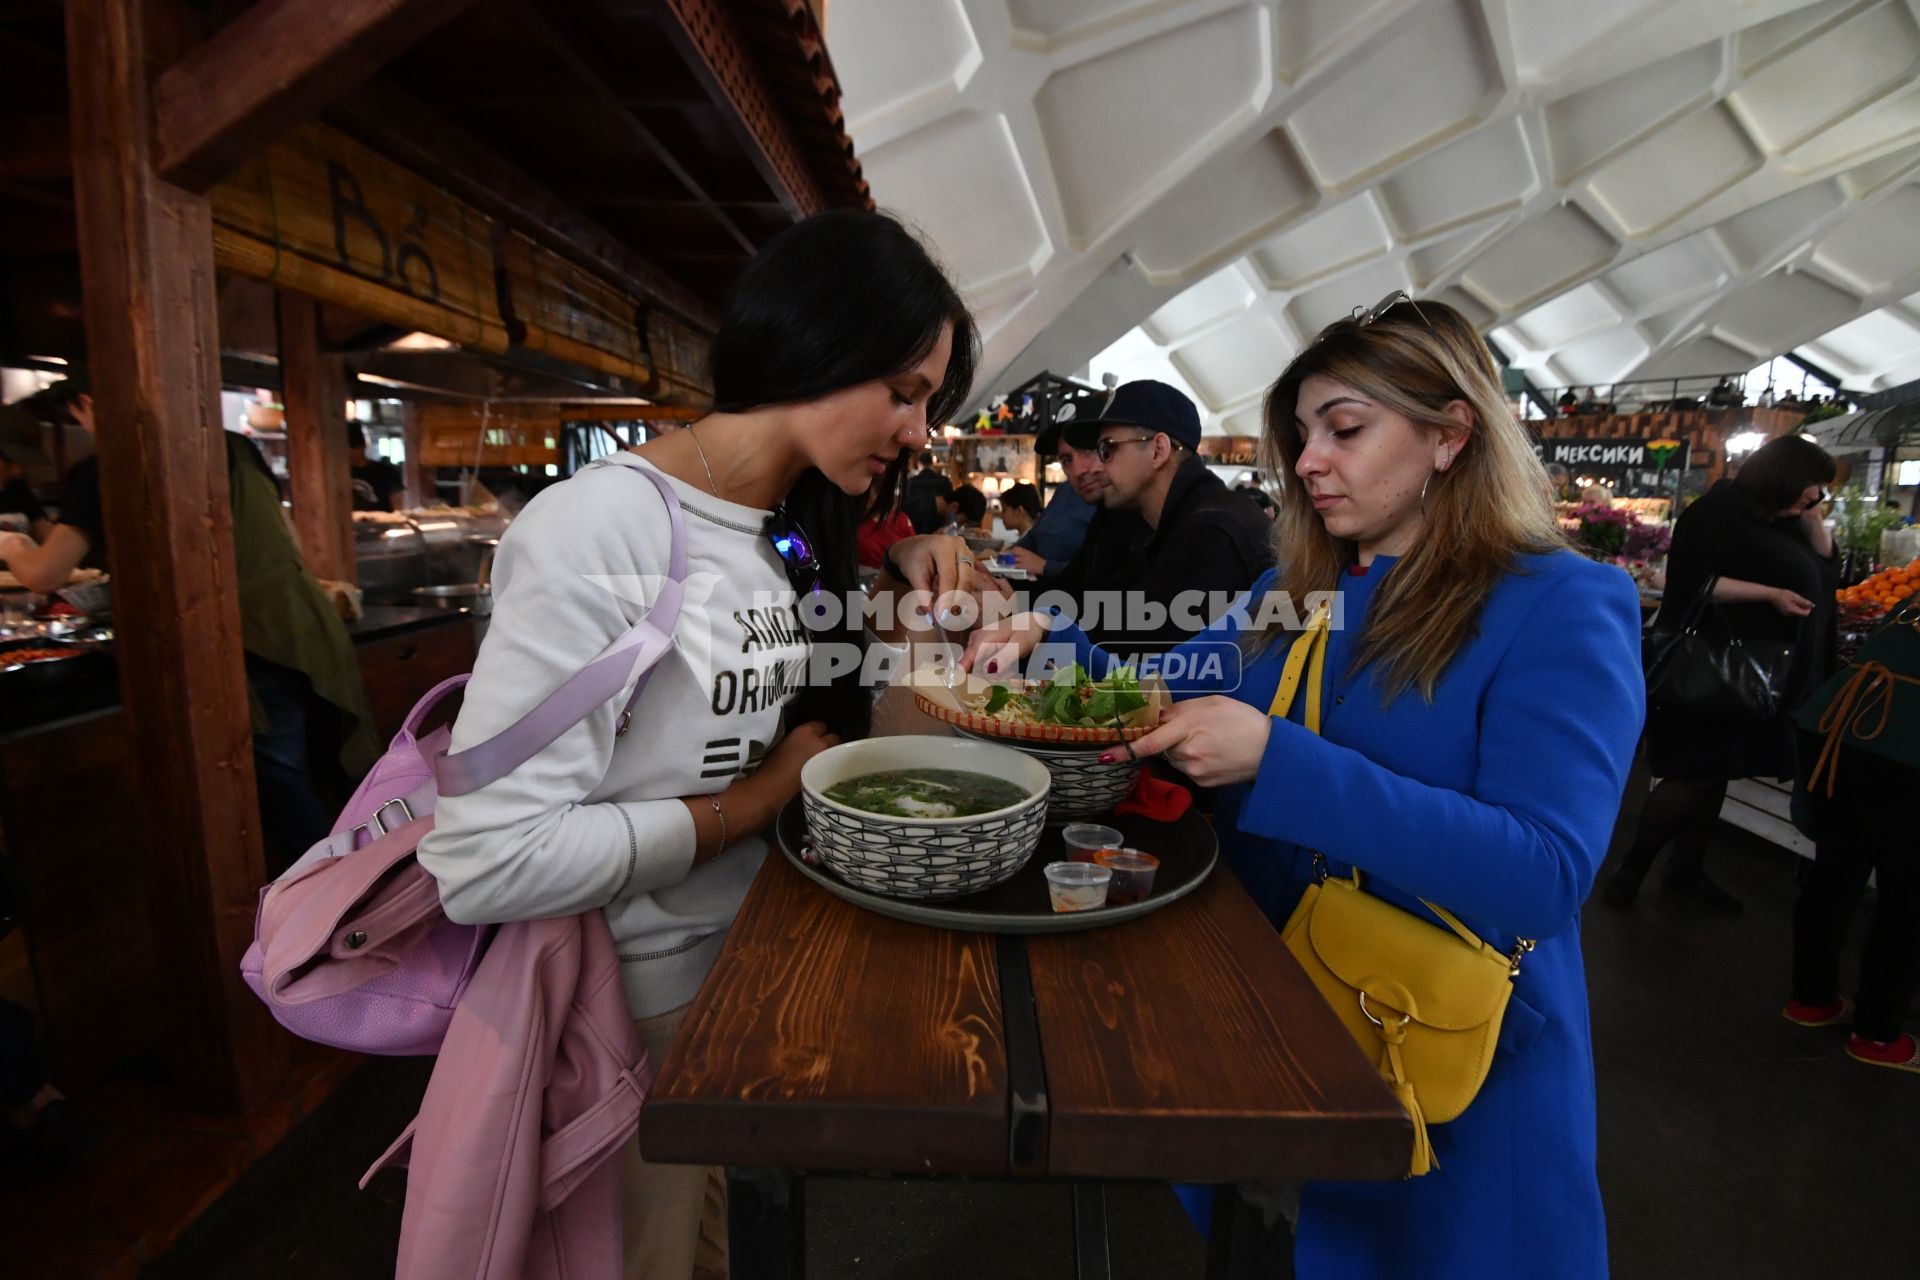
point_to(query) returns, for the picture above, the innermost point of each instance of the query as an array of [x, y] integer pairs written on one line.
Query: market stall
[[325, 204]]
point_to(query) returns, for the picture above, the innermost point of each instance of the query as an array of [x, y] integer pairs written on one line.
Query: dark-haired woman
[[1482, 698], [1761, 539], [841, 341]]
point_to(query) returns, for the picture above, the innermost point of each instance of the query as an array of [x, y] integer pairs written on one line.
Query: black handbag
[[1701, 668]]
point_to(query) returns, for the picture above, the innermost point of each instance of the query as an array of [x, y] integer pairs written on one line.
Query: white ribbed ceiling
[[1189, 189]]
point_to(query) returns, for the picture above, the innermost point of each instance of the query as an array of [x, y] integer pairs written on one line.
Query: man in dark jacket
[[1204, 545]]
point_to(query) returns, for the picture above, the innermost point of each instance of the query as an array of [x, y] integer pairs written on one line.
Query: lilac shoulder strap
[[633, 654]]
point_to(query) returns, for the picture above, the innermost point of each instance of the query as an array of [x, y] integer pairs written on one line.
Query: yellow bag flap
[[1400, 960]]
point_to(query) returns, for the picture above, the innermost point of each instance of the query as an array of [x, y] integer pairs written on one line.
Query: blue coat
[[1496, 800]]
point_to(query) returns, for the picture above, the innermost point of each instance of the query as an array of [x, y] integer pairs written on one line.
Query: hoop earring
[[1423, 489]]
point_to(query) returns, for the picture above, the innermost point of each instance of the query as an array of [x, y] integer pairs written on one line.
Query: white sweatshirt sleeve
[[530, 845]]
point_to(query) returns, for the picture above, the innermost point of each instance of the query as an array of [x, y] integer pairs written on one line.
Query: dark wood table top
[[828, 1037], [1188, 1045], [1185, 1045]]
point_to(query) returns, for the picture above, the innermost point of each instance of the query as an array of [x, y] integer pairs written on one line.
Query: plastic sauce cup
[[1077, 886], [1087, 840], [1132, 874]]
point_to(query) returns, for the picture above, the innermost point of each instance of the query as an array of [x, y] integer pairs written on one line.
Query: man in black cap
[[1206, 544]]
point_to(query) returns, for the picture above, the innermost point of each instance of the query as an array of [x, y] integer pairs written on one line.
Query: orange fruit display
[[1884, 590]]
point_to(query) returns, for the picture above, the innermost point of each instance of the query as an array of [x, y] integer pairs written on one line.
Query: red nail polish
[[1107, 757], [992, 667]]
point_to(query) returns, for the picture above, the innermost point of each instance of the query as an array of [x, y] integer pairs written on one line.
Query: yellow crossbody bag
[[1425, 1001]]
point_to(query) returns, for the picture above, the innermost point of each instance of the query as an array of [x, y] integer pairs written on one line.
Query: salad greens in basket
[[1073, 697]]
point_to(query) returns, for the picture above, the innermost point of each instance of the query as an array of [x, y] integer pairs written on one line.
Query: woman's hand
[[1790, 603], [753, 802], [1740, 591], [1814, 521], [789, 755], [1002, 646], [935, 563], [1213, 740], [1029, 561], [946, 570]]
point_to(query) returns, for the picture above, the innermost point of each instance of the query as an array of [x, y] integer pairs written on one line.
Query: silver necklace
[[704, 463]]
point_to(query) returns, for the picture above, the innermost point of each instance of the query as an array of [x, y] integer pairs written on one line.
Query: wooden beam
[[409, 131], [710, 40], [146, 253], [313, 386], [570, 53], [271, 68]]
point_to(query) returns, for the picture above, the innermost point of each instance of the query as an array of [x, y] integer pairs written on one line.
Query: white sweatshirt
[[595, 820]]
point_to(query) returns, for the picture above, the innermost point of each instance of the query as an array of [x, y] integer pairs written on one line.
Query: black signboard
[[1608, 455]]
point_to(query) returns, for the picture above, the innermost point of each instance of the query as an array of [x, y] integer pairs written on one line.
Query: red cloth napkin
[[1155, 798]]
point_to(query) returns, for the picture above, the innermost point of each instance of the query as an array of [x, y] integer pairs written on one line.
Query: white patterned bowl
[[923, 858], [1082, 786]]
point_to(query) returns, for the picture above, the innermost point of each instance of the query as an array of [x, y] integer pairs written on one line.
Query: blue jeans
[[293, 817]]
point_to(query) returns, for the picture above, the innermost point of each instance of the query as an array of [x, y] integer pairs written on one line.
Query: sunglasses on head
[[1386, 304], [795, 549]]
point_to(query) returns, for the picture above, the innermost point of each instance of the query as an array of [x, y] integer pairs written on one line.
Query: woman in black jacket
[[1760, 538]]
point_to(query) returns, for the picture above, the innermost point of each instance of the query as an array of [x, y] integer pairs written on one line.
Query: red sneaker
[[1902, 1053], [1818, 1015]]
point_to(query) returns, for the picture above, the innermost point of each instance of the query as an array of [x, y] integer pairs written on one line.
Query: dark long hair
[[1782, 469], [840, 299]]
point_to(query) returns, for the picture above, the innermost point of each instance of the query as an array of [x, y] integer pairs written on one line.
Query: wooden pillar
[[313, 386], [146, 256], [420, 489]]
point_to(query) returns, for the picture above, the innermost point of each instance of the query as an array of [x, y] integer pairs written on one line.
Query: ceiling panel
[[1610, 185]]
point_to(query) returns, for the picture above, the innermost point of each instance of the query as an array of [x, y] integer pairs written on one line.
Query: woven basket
[[923, 858], [1059, 736], [1082, 786]]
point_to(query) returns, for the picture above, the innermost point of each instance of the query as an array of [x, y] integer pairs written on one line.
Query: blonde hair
[[1492, 505]]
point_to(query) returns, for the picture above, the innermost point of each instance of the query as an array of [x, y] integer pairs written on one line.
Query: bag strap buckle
[[1521, 947], [376, 827]]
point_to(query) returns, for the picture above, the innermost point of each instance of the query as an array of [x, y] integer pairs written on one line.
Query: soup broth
[[927, 793]]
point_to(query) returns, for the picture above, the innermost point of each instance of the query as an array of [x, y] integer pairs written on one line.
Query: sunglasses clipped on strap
[[795, 549]]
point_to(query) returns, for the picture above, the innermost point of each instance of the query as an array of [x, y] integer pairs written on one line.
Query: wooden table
[[1184, 1046]]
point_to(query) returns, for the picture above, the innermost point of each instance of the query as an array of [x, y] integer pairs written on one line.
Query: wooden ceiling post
[[146, 256], [313, 386]]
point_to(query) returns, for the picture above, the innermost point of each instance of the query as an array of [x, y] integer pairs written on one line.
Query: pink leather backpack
[[390, 985]]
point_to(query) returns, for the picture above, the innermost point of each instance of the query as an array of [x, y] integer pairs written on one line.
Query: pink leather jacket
[[537, 1084]]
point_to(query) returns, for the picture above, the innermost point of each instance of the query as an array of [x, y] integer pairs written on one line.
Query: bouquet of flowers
[[1645, 542], [1602, 531], [1611, 534]]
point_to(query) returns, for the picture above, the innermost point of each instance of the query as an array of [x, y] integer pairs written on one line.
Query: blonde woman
[[1483, 696]]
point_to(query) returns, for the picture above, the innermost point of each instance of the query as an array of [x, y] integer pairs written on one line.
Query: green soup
[[927, 793]]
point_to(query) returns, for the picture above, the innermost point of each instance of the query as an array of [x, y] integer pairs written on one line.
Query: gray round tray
[[1185, 847]]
